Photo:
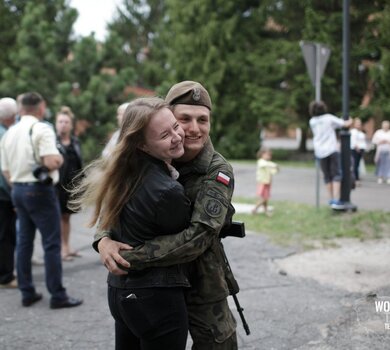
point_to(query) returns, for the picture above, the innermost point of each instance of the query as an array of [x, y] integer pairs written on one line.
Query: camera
[[41, 173]]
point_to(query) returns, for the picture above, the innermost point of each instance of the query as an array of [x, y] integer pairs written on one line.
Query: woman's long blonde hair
[[107, 183]]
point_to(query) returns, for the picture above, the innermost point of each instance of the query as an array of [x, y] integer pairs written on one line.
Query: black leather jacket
[[69, 171], [158, 207]]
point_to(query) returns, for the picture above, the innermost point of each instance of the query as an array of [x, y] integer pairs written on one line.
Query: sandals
[[75, 254], [70, 256], [67, 258]]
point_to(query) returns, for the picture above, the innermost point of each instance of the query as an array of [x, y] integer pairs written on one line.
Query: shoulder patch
[[213, 208], [223, 178]]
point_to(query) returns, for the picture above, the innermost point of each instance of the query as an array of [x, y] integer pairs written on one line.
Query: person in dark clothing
[[135, 193], [69, 147], [8, 110]]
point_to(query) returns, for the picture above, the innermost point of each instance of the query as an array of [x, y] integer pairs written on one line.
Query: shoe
[[332, 201], [32, 300], [68, 302], [388, 181], [67, 258], [37, 262], [10, 285], [337, 205], [380, 181]]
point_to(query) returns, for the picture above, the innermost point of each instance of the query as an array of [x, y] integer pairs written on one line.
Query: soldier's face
[[164, 137], [195, 121]]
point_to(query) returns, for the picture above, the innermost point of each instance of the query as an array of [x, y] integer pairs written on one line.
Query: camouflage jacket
[[208, 182]]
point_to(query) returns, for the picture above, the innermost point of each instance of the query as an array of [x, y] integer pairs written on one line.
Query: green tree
[[93, 93], [248, 56], [376, 71], [231, 48], [322, 21], [10, 15], [133, 37], [40, 49]]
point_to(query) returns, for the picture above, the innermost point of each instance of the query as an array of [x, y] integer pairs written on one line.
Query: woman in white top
[[358, 146], [381, 140]]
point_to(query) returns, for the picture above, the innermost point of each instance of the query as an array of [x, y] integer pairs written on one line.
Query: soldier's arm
[[211, 208]]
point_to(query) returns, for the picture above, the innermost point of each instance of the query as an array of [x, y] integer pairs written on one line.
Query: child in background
[[264, 171]]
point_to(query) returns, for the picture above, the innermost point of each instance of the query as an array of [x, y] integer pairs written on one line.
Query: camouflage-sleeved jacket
[[208, 182]]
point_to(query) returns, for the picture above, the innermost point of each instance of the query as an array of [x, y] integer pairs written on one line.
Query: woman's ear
[[143, 148]]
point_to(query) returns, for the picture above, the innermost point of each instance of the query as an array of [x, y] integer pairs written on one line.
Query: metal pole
[[317, 183], [318, 98], [344, 134], [318, 72], [346, 44]]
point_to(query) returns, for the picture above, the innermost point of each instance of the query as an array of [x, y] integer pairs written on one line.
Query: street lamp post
[[345, 134]]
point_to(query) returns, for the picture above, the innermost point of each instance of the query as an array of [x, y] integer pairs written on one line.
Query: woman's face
[[386, 125], [164, 136], [63, 124]]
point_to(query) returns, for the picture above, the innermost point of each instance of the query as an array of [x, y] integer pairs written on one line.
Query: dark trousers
[[150, 319], [37, 208], [7, 241], [357, 156]]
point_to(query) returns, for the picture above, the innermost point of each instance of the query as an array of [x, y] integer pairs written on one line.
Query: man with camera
[[30, 162]]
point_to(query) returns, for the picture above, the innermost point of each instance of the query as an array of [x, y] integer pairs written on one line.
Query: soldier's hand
[[110, 257]]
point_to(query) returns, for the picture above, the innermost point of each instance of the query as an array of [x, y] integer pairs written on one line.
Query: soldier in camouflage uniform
[[208, 181]]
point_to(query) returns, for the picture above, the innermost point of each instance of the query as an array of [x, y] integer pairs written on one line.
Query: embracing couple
[[160, 201]]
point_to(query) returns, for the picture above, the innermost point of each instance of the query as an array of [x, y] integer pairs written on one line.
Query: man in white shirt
[[326, 147], [28, 148]]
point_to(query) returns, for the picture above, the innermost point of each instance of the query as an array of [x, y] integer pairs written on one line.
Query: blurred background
[[245, 52]]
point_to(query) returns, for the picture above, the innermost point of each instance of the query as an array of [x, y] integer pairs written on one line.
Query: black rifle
[[236, 229]]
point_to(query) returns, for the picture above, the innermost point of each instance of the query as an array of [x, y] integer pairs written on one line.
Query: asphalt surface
[[300, 185], [283, 312]]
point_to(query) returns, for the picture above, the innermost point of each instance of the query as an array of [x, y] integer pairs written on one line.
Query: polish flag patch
[[223, 178]]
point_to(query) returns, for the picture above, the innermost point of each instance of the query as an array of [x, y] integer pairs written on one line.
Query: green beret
[[188, 93]]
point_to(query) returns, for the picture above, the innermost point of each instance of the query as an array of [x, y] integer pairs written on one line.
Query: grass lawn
[[301, 224]]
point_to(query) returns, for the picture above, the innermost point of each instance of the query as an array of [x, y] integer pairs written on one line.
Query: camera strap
[[32, 144]]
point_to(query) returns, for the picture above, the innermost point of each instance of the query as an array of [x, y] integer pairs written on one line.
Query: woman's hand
[[110, 257]]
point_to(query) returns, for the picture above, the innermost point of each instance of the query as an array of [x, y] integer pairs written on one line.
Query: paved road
[[283, 312], [299, 185]]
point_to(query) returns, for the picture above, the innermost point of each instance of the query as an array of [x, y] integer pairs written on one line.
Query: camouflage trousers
[[212, 326]]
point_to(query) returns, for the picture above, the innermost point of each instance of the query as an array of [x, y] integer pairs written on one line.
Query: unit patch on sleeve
[[213, 208], [223, 178]]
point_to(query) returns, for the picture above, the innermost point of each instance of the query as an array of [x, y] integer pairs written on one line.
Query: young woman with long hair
[[135, 196]]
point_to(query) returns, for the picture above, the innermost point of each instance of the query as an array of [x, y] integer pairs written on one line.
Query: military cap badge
[[196, 94]]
